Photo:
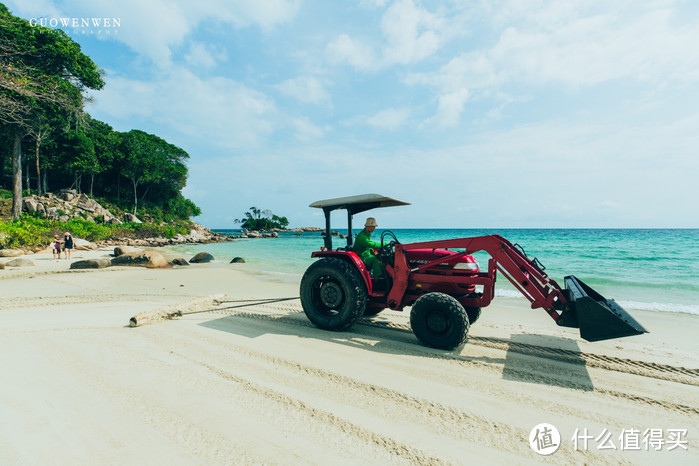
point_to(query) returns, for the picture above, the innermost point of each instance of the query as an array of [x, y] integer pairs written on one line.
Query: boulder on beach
[[180, 261], [238, 260], [91, 264], [149, 259], [2, 265], [201, 258], [10, 252], [121, 250], [21, 262], [84, 245]]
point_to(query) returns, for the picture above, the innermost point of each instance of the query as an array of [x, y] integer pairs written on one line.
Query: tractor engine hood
[[418, 257]]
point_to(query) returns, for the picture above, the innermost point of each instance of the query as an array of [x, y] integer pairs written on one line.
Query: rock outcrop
[[19, 262], [149, 259], [202, 257], [67, 204], [121, 250], [91, 264]]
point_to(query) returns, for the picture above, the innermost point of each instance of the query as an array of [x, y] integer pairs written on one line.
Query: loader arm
[[577, 306]]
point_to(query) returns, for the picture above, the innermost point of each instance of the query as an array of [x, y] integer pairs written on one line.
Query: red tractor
[[439, 279]]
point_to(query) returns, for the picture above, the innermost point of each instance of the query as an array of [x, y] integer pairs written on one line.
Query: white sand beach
[[244, 382]]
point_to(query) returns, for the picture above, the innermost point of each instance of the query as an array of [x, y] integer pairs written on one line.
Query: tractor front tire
[[473, 313], [333, 294], [439, 321]]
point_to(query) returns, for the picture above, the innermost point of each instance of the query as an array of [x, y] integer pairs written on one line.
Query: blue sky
[[482, 114]]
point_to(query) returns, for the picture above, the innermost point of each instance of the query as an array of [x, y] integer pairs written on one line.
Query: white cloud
[[389, 119], [202, 55], [572, 45], [243, 13], [409, 35], [34, 9], [354, 52], [221, 111], [307, 89], [450, 107], [306, 130], [153, 28]]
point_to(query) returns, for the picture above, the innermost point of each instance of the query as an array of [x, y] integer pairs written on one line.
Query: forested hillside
[[48, 142]]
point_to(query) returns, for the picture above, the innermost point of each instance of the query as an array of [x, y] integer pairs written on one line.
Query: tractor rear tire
[[333, 294], [473, 313], [439, 321]]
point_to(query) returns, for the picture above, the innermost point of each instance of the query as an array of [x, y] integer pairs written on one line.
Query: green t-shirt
[[363, 243]]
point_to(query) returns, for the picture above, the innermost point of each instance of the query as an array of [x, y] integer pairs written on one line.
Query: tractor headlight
[[466, 266]]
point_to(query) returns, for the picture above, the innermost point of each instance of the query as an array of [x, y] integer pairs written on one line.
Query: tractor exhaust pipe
[[597, 318]]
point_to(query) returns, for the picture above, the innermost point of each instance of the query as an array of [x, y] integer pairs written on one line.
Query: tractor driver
[[364, 247]]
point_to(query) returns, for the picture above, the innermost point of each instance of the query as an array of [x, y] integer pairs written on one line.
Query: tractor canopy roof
[[356, 204]]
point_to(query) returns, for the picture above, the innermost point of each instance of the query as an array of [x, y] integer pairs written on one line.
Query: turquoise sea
[[647, 269]]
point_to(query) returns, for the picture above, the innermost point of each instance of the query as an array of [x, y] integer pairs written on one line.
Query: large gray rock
[[52, 213], [91, 264], [2, 265], [84, 245], [149, 259], [202, 257], [131, 218], [20, 262], [85, 203], [121, 250], [30, 204], [10, 252], [67, 194], [180, 261], [238, 260]]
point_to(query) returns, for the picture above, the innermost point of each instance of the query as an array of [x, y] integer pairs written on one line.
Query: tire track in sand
[[436, 419], [639, 368], [646, 369]]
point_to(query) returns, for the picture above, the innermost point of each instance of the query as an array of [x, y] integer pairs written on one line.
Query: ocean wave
[[500, 293], [628, 305], [660, 307]]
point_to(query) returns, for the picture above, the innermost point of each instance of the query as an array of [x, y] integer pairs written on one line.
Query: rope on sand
[[196, 306]]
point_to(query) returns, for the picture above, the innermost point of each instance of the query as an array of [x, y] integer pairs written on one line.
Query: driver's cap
[[370, 222]]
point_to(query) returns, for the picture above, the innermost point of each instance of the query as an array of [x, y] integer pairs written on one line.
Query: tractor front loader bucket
[[597, 318]]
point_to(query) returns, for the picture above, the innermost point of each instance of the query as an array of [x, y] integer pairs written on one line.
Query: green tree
[[81, 158], [104, 140], [40, 68], [257, 219], [151, 162]]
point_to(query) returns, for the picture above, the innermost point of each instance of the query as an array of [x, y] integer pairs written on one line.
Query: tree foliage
[[41, 70], [257, 219], [43, 76]]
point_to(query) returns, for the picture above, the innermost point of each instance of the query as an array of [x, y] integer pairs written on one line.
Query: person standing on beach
[[56, 245], [68, 246], [364, 247]]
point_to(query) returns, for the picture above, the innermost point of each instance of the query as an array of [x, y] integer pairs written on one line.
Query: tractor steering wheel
[[387, 248]]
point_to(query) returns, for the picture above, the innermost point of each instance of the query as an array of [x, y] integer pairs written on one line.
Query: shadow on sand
[[559, 363]]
